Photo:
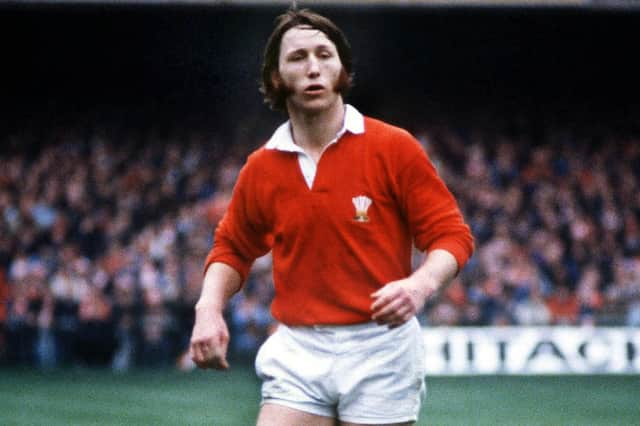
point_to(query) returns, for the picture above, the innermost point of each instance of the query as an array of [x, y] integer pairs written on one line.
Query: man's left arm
[[438, 228], [398, 301]]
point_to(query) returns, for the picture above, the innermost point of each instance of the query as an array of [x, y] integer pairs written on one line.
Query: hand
[[209, 340], [398, 301]]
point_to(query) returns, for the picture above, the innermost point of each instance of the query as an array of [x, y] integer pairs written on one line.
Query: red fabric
[[564, 307], [326, 264]]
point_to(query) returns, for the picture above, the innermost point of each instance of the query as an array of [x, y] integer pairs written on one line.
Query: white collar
[[282, 139]]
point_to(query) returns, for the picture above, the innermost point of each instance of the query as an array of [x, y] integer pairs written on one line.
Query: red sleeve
[[241, 235], [432, 212]]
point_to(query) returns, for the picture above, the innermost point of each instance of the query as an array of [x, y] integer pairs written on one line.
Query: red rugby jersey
[[327, 257]]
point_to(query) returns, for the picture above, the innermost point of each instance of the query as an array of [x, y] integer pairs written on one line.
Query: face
[[309, 68]]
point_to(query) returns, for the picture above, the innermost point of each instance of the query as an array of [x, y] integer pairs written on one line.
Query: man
[[339, 199]]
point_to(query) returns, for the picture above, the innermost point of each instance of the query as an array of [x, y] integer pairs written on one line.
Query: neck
[[316, 129]]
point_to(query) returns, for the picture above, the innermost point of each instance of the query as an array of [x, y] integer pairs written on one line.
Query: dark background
[[199, 65]]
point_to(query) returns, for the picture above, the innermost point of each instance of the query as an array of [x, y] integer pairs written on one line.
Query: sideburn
[[344, 83], [280, 91]]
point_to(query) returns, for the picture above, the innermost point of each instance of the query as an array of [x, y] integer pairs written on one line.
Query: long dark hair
[[276, 97]]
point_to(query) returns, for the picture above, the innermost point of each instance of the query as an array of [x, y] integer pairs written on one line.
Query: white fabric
[[363, 373], [282, 140]]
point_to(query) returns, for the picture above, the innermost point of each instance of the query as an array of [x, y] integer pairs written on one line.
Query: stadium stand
[[530, 115], [104, 234]]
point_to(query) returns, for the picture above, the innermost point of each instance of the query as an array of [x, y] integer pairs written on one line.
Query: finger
[[203, 359], [397, 323], [216, 361], [205, 355], [377, 293], [399, 315], [383, 291], [196, 353], [218, 357], [223, 364], [399, 320], [387, 309], [390, 318], [395, 318], [381, 298]]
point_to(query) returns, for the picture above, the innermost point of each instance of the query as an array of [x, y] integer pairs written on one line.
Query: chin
[[315, 105]]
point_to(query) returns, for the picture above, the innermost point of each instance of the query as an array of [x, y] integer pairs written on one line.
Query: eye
[[294, 57], [325, 54]]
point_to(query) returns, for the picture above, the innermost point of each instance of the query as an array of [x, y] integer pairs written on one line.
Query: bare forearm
[[210, 337], [438, 269], [221, 282], [398, 301]]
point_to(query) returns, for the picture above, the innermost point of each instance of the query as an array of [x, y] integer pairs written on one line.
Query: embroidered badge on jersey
[[361, 203]]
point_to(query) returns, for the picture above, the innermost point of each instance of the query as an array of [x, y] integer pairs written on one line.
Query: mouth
[[314, 89]]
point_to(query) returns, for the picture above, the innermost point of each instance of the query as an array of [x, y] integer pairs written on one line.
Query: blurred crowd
[[555, 209], [103, 235]]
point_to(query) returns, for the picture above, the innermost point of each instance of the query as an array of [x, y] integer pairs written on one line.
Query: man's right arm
[[210, 337]]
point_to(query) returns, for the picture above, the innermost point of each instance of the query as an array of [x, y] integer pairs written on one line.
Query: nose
[[313, 68]]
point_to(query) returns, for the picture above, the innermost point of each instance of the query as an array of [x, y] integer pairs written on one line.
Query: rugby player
[[339, 199]]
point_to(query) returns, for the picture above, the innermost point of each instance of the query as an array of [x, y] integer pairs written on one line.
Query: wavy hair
[[276, 96]]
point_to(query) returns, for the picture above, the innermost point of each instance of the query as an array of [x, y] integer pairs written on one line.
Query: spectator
[[85, 209], [563, 306], [4, 302], [532, 310], [156, 322], [126, 313], [95, 342]]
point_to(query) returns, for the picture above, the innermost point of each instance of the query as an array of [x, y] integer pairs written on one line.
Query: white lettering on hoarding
[[532, 350]]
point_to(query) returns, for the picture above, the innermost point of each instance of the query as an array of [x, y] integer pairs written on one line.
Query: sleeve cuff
[[461, 251], [233, 261]]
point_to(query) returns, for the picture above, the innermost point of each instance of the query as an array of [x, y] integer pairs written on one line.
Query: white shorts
[[364, 373]]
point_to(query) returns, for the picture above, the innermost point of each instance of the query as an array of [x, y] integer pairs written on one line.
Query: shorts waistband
[[348, 328]]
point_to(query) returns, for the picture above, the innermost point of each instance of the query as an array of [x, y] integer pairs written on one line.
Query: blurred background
[[123, 126]]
